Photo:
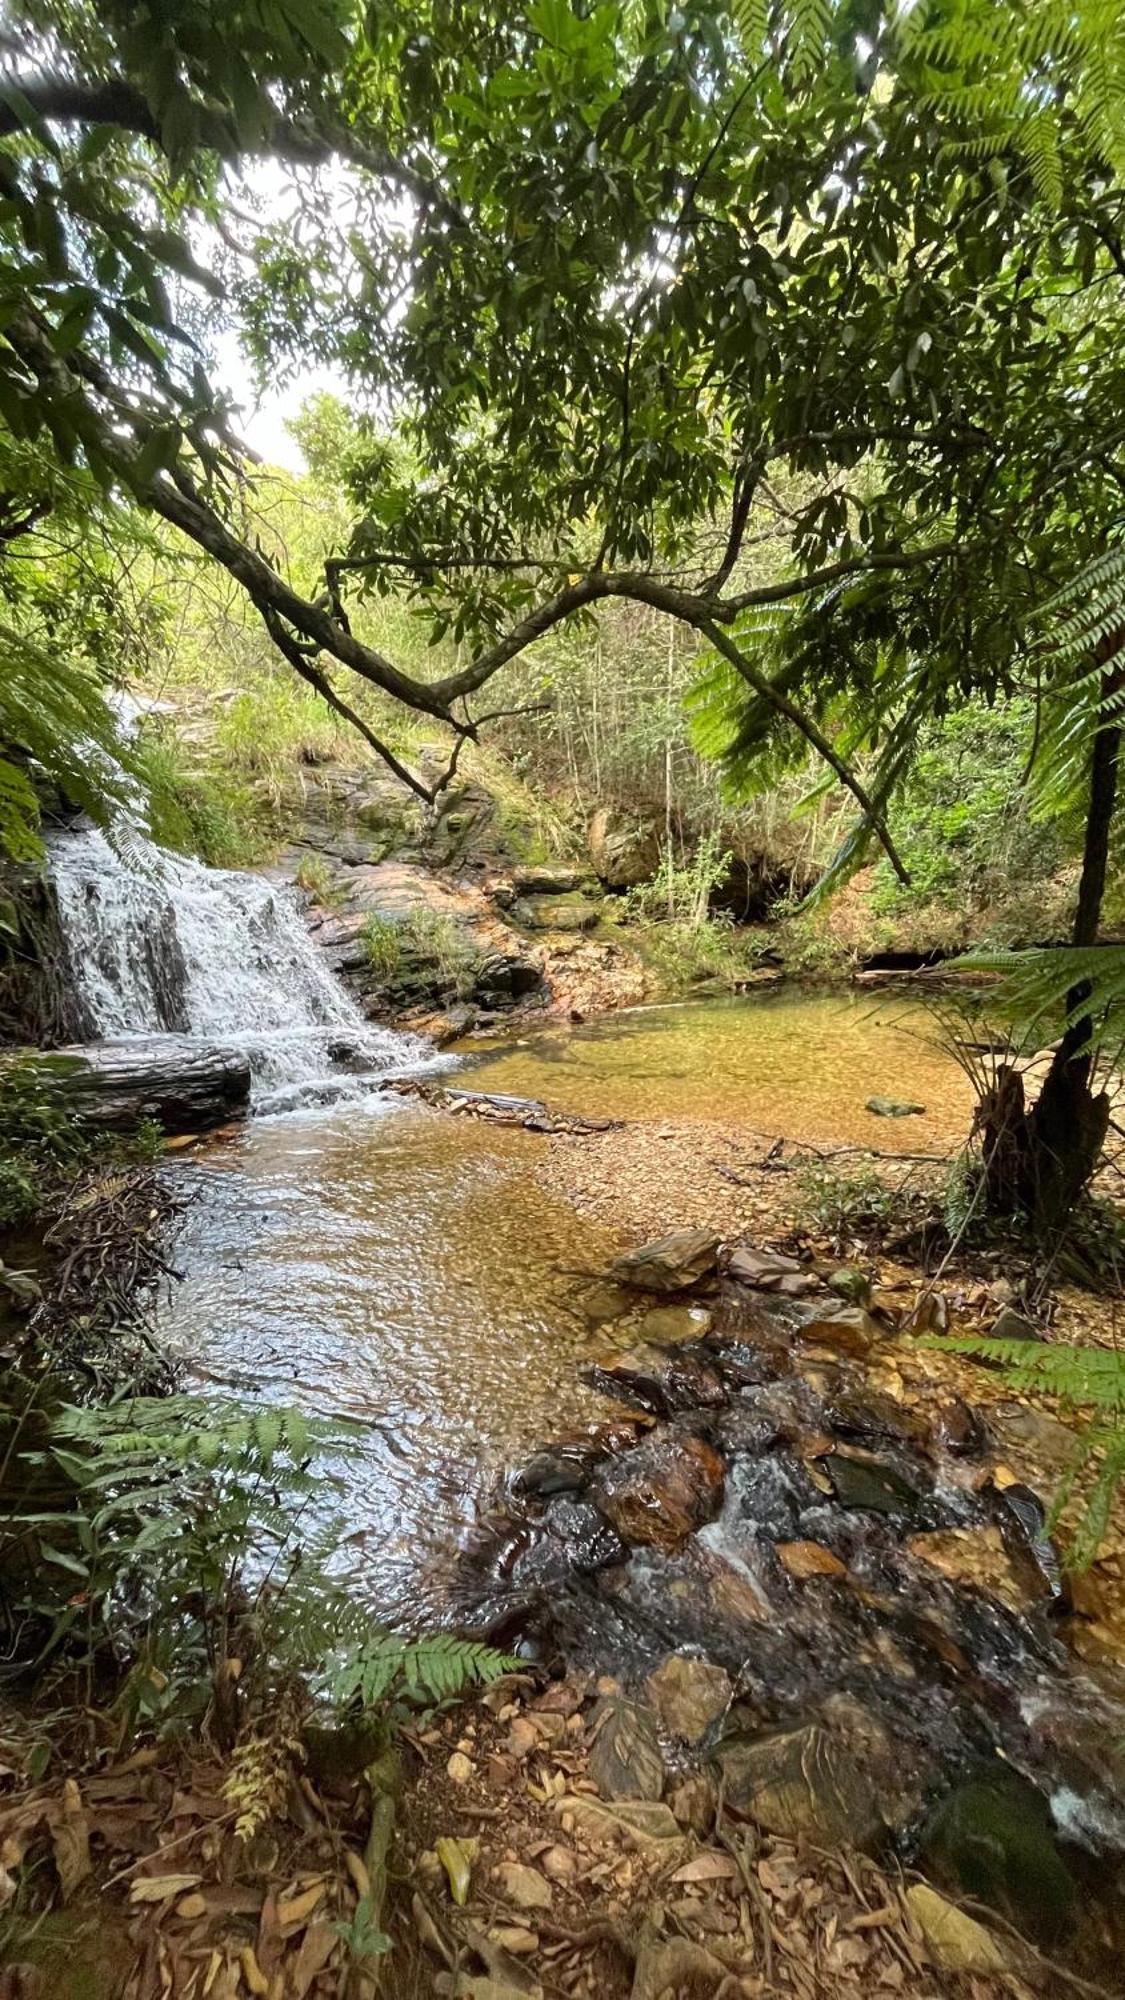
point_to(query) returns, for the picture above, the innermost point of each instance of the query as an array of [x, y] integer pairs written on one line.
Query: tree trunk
[[1039, 1162]]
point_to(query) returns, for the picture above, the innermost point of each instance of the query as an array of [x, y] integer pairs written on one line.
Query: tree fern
[[1036, 986]]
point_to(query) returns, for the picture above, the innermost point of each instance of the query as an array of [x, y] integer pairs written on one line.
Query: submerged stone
[[894, 1107], [586, 1536], [671, 1324], [992, 1840]]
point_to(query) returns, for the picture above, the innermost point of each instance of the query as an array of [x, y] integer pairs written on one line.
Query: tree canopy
[[606, 270]]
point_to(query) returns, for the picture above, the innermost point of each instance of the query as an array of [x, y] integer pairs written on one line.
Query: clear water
[[388, 1263], [802, 1064]]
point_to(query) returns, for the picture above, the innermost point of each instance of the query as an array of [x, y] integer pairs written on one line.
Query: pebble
[[460, 1768]]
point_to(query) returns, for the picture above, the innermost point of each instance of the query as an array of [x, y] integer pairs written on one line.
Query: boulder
[[851, 1329], [991, 1839], [689, 1695], [811, 1784], [624, 850], [672, 1263], [658, 1493], [551, 878], [180, 1084]]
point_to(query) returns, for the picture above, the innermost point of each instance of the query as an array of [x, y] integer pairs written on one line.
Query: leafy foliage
[[1085, 1380], [197, 1529]]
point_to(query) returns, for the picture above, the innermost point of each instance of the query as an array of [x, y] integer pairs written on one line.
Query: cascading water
[[159, 944]]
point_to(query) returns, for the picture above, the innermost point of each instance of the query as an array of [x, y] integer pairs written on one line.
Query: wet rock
[[975, 1556], [851, 1285], [893, 1107], [958, 1428], [873, 1415], [587, 1539], [877, 1488], [956, 1942], [771, 1271], [662, 1490], [625, 1756], [991, 1839], [672, 1324], [851, 1330], [657, 1382], [810, 1784], [562, 1468], [807, 1559], [672, 1263], [746, 1431], [1012, 1325], [741, 1365], [625, 851], [689, 1695]]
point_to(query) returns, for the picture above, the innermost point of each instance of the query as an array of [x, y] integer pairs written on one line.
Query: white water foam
[[160, 944]]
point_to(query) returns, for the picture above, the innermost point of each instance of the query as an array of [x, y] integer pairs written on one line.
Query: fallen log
[[181, 1084]]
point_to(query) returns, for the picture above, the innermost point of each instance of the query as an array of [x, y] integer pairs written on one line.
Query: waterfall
[[159, 944]]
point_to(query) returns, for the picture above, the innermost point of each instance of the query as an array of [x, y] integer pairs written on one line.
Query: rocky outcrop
[[183, 1086], [625, 850]]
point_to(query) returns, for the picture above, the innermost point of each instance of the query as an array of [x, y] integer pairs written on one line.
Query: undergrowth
[[423, 949]]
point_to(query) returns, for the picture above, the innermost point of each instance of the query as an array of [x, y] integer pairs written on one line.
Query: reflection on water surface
[[790, 1062], [388, 1263]]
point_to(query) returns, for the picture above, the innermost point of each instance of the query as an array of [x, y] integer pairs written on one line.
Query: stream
[[380, 1261], [738, 1486]]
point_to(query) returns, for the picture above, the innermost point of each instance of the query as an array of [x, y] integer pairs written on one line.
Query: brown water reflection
[[802, 1064], [382, 1262], [386, 1263]]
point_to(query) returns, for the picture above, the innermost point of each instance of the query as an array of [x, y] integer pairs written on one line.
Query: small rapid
[[161, 945]]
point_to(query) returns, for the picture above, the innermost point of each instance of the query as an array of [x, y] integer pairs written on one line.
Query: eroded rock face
[[661, 1491], [672, 1263], [625, 851]]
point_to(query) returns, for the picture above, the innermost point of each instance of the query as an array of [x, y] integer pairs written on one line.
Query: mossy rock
[[992, 1839]]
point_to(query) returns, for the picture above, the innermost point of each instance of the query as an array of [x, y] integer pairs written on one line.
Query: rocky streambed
[[834, 1609]]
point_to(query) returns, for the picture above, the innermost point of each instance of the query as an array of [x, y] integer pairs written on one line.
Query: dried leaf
[[456, 1857], [706, 1867], [294, 1910], [71, 1840], [154, 1888], [317, 1946]]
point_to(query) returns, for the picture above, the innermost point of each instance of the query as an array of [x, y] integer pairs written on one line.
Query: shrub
[[424, 949]]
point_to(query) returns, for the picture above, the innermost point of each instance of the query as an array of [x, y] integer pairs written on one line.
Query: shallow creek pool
[[380, 1261]]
